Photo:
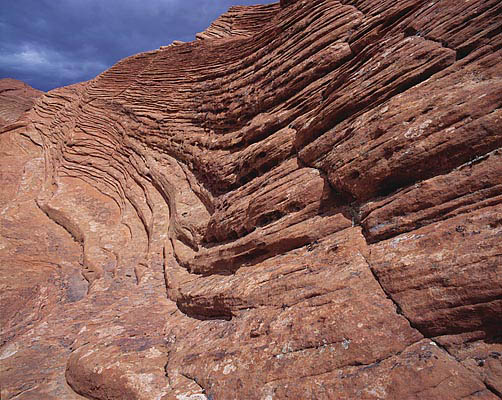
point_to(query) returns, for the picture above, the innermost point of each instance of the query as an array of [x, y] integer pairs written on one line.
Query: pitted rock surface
[[304, 203]]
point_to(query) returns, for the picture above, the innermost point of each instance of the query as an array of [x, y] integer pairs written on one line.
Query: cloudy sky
[[52, 43]]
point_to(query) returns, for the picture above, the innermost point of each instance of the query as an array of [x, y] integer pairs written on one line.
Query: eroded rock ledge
[[16, 97], [303, 203]]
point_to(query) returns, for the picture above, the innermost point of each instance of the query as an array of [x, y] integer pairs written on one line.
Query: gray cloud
[[52, 43]]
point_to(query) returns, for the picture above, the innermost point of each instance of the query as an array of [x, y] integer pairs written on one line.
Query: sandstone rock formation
[[16, 97], [304, 203]]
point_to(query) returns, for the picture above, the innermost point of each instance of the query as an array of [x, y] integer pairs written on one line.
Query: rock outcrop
[[303, 203], [16, 97]]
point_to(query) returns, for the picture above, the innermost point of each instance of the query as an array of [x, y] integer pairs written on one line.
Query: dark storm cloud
[[52, 43]]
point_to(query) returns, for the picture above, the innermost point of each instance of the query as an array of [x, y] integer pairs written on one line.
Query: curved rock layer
[[303, 203]]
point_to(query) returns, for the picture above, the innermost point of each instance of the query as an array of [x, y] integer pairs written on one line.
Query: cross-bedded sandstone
[[305, 202]]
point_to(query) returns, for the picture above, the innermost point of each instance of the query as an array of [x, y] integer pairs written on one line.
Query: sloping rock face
[[304, 203], [16, 97]]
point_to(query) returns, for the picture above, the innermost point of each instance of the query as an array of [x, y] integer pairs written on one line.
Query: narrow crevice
[[256, 255], [493, 389], [399, 311], [353, 212], [30, 139], [389, 296], [166, 372], [196, 382], [204, 198], [478, 158], [76, 237], [411, 31]]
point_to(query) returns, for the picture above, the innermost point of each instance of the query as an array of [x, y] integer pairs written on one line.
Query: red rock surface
[[304, 203], [16, 97]]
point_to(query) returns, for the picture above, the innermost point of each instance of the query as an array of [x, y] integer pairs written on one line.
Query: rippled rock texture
[[303, 203]]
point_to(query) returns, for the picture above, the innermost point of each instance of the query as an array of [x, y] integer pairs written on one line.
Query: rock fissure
[[492, 389]]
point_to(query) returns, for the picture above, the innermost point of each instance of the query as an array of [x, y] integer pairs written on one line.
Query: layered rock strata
[[303, 203], [16, 97]]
